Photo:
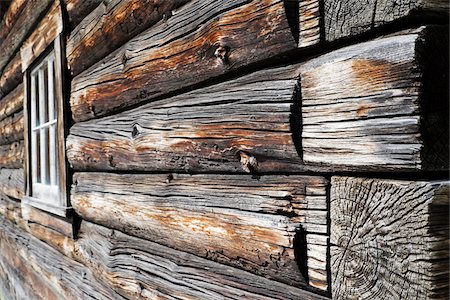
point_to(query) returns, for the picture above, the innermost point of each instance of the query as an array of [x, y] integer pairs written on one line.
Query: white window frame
[[51, 193]]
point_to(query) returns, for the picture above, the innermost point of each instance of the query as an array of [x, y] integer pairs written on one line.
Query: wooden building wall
[[235, 149]]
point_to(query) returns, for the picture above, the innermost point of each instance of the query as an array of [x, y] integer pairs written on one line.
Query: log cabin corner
[[224, 149]]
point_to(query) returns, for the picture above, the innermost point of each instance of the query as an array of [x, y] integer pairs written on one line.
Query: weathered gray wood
[[202, 40], [137, 268], [389, 239], [11, 103], [345, 18], [11, 75], [17, 279], [12, 183], [379, 105], [246, 222], [77, 10], [110, 25], [11, 129], [214, 129], [23, 24], [11, 155], [51, 274]]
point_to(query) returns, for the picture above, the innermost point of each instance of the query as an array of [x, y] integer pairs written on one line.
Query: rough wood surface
[[57, 224], [44, 268], [7, 22], [23, 25], [11, 156], [345, 18], [110, 25], [11, 76], [309, 18], [379, 105], [11, 129], [199, 42], [42, 35], [389, 239], [249, 223], [12, 103], [12, 183], [137, 268], [77, 10], [214, 129]]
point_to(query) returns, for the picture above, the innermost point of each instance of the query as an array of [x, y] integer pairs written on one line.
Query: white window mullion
[[52, 128], [43, 131], [34, 160]]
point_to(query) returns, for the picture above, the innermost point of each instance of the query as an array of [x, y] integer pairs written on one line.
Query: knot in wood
[[222, 53], [248, 162]]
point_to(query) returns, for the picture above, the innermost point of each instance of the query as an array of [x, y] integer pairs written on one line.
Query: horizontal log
[[309, 18], [11, 129], [199, 42], [214, 129], [62, 227], [389, 239], [35, 260], [42, 36], [10, 208], [7, 22], [137, 268], [245, 222], [11, 76], [77, 10], [12, 182], [381, 105], [21, 280], [23, 25], [110, 25], [12, 103], [346, 18], [11, 156]]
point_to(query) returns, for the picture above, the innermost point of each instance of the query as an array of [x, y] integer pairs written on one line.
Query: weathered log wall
[[216, 150]]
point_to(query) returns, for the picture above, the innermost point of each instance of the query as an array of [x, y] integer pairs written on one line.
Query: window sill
[[48, 207]]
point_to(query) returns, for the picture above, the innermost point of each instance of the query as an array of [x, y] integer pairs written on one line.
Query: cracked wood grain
[[381, 105], [206, 130], [182, 51], [248, 223], [110, 25], [389, 239], [48, 273], [348, 18], [137, 268]]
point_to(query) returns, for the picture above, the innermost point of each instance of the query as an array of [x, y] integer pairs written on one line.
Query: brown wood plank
[[11, 129], [346, 18], [389, 239], [11, 156], [42, 36], [381, 105], [110, 25], [36, 260], [213, 129], [24, 23], [11, 76], [137, 268], [12, 103], [245, 222], [199, 42], [77, 10], [12, 182], [11, 14]]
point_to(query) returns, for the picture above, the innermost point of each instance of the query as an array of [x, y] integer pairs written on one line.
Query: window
[[45, 163]]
